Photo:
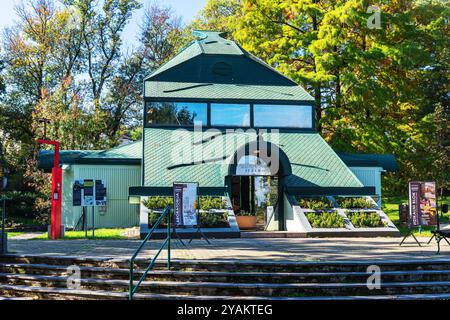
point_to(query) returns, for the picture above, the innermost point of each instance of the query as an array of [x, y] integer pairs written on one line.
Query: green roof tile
[[314, 163], [212, 67], [183, 90], [127, 154], [385, 161]]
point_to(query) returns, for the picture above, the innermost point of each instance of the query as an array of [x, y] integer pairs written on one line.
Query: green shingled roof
[[127, 154], [212, 67], [385, 161], [128, 151], [224, 91], [168, 158]]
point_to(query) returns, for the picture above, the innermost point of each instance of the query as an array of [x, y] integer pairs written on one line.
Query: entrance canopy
[[259, 158]]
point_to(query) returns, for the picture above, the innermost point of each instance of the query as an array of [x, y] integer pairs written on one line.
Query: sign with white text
[[422, 203], [89, 193], [185, 203]]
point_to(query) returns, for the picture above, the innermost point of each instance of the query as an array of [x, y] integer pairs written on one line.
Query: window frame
[[312, 127], [209, 125], [227, 125], [169, 125]]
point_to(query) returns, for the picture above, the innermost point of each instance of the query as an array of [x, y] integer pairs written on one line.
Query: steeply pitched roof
[[212, 63], [385, 161], [313, 162]]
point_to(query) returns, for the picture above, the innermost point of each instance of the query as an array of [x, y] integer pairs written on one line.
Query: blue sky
[[187, 9]]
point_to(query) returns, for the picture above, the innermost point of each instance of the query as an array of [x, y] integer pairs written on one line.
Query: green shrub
[[213, 220], [315, 203], [354, 203], [325, 220], [245, 213], [208, 203], [153, 216], [366, 219], [34, 207], [158, 202]]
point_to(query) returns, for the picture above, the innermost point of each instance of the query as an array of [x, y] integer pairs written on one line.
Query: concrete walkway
[[311, 249]]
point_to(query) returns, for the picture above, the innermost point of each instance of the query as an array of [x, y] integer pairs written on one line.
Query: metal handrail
[[133, 289]]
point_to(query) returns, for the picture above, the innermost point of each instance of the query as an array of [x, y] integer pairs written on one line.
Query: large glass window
[[282, 116], [177, 113], [233, 115]]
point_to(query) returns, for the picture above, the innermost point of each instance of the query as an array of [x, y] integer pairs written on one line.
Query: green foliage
[[153, 217], [158, 202], [246, 213], [66, 62], [325, 220], [315, 203], [213, 220], [26, 205], [365, 219], [100, 234], [207, 219], [354, 203], [379, 90], [208, 203]]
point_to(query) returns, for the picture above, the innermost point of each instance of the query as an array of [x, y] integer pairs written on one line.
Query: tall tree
[[374, 88]]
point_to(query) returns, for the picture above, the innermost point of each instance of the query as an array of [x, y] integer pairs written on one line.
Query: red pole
[[55, 228]]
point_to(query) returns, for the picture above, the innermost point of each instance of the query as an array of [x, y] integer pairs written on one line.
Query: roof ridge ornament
[[212, 34]]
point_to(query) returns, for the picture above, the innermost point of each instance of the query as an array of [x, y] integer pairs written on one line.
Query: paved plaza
[[309, 249]]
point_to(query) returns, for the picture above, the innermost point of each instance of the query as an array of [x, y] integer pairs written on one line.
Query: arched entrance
[[255, 180]]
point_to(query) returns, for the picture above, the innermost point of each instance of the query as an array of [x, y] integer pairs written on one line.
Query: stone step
[[235, 289], [235, 277], [21, 292], [237, 265]]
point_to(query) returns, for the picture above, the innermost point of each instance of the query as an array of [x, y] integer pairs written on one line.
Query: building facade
[[218, 116]]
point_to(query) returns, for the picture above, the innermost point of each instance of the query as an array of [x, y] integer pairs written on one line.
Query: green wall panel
[[119, 213]]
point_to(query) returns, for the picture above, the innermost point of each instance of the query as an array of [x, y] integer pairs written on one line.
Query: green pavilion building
[[219, 116]]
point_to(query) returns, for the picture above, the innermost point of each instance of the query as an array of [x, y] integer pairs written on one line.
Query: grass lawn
[[100, 234], [14, 234], [390, 207]]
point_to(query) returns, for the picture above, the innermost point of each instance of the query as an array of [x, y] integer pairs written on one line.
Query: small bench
[[439, 235]]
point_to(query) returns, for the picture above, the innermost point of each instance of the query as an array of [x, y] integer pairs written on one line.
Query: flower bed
[[212, 213], [355, 203], [316, 204], [361, 219], [325, 220]]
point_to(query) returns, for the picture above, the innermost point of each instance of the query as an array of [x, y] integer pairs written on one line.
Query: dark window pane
[[283, 116], [176, 113], [233, 115]]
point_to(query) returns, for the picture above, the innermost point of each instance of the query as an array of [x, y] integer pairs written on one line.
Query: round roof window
[[222, 69]]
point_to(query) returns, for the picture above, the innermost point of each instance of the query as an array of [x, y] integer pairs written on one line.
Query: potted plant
[[246, 220]]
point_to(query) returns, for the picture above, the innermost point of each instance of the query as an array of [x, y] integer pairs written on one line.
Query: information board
[[185, 204], [89, 193], [422, 203]]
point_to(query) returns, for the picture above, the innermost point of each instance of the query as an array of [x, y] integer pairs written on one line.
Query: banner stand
[[202, 234], [410, 233], [175, 234]]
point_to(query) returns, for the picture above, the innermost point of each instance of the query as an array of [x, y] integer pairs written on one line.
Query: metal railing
[[133, 288]]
